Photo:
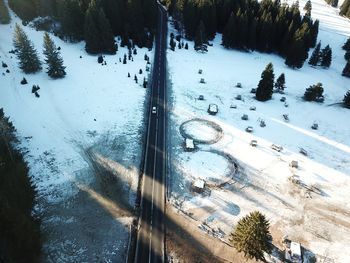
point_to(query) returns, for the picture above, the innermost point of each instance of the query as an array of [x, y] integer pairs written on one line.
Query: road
[[150, 237]]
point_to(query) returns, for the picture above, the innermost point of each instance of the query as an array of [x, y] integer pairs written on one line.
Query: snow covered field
[[308, 203], [83, 146]]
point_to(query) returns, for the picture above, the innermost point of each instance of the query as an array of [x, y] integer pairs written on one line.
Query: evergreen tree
[[252, 236], [314, 92], [200, 41], [265, 87], [98, 34], [20, 239], [346, 70], [346, 45], [308, 8], [346, 100], [314, 33], [345, 8], [172, 44], [4, 13], [297, 52], [326, 57], [315, 57], [71, 15], [53, 59], [280, 83], [347, 55], [25, 51]]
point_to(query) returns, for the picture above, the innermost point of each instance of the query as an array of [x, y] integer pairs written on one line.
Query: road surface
[[150, 237]]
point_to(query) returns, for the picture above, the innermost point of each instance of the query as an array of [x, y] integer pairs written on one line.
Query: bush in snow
[[24, 81], [314, 93], [35, 88], [100, 59]]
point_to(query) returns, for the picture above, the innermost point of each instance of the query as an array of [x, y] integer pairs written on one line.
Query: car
[[154, 110]]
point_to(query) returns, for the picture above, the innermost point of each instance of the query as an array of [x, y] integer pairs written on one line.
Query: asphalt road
[[150, 237]]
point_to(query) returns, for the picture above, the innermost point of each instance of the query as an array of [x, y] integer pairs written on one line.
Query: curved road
[[150, 236]]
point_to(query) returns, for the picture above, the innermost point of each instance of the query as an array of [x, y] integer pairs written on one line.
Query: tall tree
[[346, 45], [252, 236], [346, 70], [53, 59], [315, 56], [280, 84], [4, 13], [200, 41], [71, 14], [346, 100], [28, 58], [98, 34], [326, 57], [308, 8], [265, 87]]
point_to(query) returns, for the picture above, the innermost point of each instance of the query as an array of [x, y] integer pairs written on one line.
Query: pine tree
[[347, 55], [314, 92], [172, 44], [346, 45], [25, 51], [280, 83], [200, 40], [4, 13], [314, 33], [265, 87], [315, 57], [252, 236], [326, 57], [346, 100], [98, 34], [346, 70], [308, 8], [53, 59]]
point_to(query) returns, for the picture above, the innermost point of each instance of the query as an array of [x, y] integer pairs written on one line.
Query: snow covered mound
[[309, 203]]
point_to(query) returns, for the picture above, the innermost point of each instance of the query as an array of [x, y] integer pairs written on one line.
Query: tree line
[[4, 13], [96, 21], [20, 239], [265, 26]]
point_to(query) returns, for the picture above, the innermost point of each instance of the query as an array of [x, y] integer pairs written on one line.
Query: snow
[[313, 212], [94, 108]]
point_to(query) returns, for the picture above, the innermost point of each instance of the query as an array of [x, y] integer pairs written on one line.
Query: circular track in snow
[[201, 131]]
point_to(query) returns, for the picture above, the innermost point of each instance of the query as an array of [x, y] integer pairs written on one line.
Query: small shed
[[249, 129], [314, 126], [294, 164], [189, 145], [252, 108], [202, 80], [303, 151], [239, 85], [253, 91], [238, 97], [253, 143], [200, 97], [198, 185], [276, 147], [233, 106], [283, 99], [244, 117], [213, 109], [200, 71]]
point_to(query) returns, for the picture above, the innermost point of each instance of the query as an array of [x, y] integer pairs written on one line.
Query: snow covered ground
[[83, 146], [308, 203]]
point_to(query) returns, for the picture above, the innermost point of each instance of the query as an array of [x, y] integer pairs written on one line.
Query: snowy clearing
[[308, 203], [82, 138]]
